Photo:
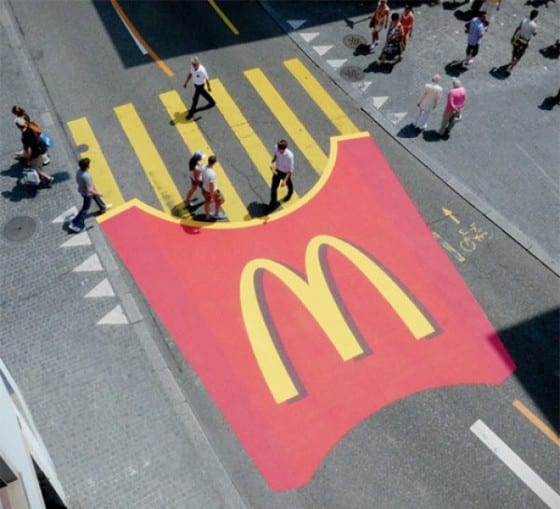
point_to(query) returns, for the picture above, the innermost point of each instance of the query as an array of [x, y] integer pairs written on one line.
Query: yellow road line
[[250, 141], [103, 177], [225, 19], [320, 96], [149, 157], [288, 119], [162, 65], [195, 140], [537, 422]]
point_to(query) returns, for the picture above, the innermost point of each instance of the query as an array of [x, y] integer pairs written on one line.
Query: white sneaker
[[46, 160], [73, 228]]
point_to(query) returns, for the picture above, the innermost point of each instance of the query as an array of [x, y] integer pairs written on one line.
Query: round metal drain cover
[[352, 73], [20, 228], [352, 41]]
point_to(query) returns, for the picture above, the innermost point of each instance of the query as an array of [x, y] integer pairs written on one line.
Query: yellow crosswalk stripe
[[320, 96], [149, 157], [250, 141], [288, 119], [105, 183], [195, 140]]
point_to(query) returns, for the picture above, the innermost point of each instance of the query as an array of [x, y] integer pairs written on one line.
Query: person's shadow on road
[[409, 131], [500, 73], [431, 135], [375, 66], [455, 68]]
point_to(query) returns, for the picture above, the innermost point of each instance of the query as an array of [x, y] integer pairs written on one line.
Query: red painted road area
[[303, 324]]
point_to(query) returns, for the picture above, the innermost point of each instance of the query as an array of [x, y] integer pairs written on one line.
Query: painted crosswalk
[[167, 190]]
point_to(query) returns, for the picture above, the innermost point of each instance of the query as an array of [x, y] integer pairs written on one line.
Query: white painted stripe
[[379, 101], [516, 464], [103, 289], [361, 86], [92, 264], [114, 317], [296, 23], [142, 49], [67, 216], [80, 239], [322, 49], [308, 36], [397, 117], [335, 64]]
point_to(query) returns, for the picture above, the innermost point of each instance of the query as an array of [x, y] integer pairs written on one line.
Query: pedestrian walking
[[195, 175], [88, 192], [407, 22], [211, 192], [456, 99], [394, 44], [31, 155], [379, 21], [19, 112], [491, 7], [521, 37], [282, 167], [427, 102], [477, 29], [200, 80]]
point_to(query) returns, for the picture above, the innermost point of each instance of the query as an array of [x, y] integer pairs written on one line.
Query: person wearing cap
[[195, 171], [427, 102], [282, 167], [456, 99], [31, 156], [211, 192], [200, 80]]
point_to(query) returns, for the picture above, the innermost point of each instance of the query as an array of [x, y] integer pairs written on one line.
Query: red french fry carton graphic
[[304, 323]]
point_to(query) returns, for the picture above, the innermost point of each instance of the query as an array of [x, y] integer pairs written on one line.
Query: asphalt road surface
[[121, 67]]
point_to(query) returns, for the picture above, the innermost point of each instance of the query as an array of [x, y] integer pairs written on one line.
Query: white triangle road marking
[[92, 264], [80, 239], [322, 49], [66, 216], [335, 64], [308, 36], [103, 289], [396, 117], [296, 23], [379, 101], [114, 317], [362, 86]]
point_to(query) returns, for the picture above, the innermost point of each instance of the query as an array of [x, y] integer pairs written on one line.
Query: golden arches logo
[[316, 295]]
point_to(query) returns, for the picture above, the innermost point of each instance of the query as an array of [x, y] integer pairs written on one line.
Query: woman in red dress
[[407, 22]]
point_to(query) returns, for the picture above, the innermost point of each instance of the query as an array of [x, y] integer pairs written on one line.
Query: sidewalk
[[504, 156], [81, 347]]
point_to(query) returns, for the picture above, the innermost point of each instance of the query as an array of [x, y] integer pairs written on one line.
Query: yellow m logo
[[316, 295]]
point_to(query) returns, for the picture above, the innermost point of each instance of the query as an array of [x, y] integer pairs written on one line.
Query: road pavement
[[128, 421]]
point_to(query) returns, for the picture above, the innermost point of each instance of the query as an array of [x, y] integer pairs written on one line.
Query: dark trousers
[[276, 179], [200, 90], [80, 219]]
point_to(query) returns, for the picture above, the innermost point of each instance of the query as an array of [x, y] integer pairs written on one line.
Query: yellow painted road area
[[288, 119], [254, 147], [105, 183], [149, 157], [320, 97], [195, 140]]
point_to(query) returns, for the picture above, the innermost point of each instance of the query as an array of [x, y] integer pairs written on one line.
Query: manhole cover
[[352, 41], [352, 73], [20, 228]]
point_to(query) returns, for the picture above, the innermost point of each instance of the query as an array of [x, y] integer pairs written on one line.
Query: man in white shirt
[[522, 36], [427, 102], [211, 192], [200, 79], [282, 166]]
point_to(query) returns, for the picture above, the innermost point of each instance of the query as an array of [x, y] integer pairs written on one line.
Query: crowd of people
[[399, 29]]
